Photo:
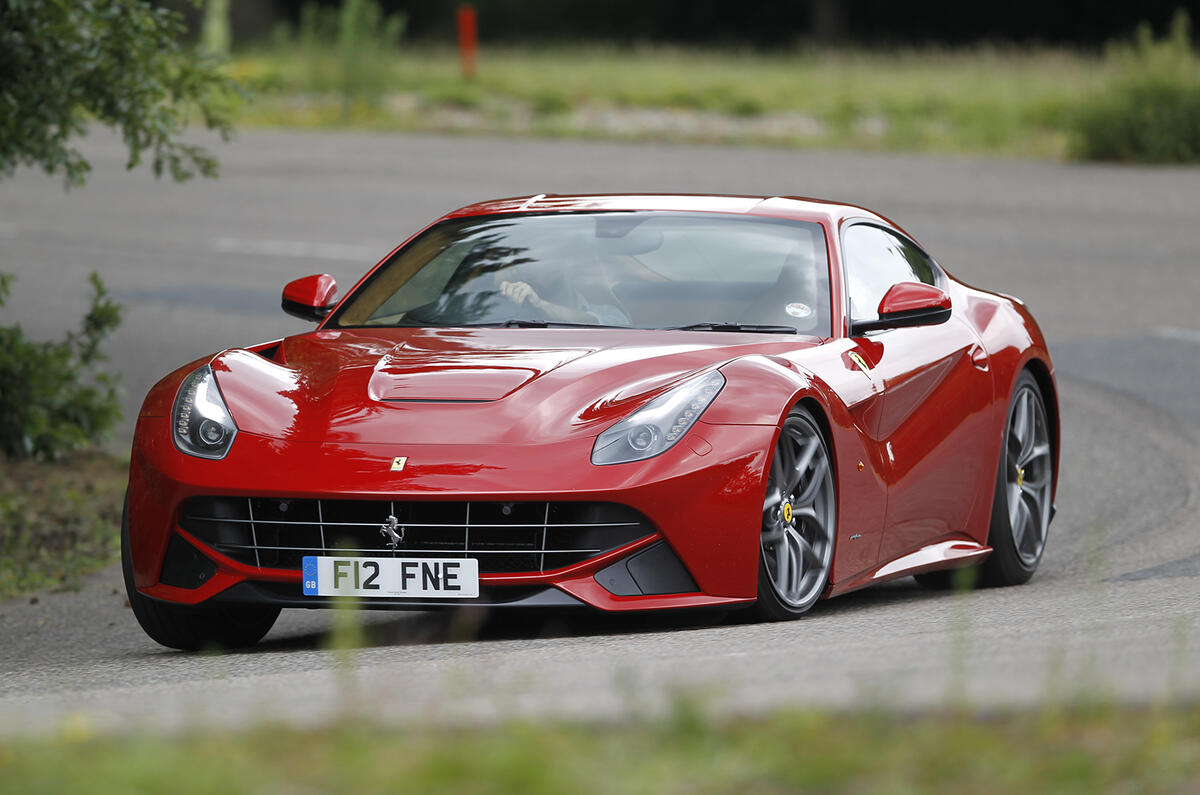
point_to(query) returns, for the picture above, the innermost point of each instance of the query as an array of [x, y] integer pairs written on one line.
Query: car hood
[[466, 386]]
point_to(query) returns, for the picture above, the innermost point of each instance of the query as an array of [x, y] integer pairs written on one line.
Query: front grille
[[505, 537]]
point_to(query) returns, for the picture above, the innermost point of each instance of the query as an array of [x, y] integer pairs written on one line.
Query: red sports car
[[621, 402]]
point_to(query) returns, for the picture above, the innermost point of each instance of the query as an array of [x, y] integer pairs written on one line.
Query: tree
[[67, 63]]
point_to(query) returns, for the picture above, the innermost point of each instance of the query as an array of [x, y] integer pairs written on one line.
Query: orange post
[[467, 39]]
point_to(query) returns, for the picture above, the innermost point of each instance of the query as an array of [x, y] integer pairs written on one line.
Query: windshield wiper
[[522, 323], [752, 328], [516, 322]]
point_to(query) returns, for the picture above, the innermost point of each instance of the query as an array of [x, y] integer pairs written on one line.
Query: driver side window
[[877, 259]]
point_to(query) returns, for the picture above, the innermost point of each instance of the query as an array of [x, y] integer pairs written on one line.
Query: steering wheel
[[525, 310]]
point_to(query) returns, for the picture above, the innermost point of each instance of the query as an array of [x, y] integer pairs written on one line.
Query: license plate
[[439, 578]]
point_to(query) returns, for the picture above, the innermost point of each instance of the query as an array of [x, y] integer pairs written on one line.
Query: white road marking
[[299, 249], [1174, 333]]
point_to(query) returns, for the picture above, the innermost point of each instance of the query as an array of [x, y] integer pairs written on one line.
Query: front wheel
[[799, 520], [192, 628]]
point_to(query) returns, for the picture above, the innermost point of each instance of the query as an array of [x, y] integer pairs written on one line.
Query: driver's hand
[[520, 293]]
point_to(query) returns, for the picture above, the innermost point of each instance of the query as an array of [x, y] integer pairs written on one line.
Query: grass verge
[[1011, 102], [1084, 751], [58, 521]]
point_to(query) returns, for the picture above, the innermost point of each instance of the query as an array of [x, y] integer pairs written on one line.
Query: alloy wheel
[[1027, 473], [799, 515]]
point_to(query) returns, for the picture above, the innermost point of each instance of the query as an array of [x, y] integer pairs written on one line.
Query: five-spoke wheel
[[1027, 474], [1024, 489], [798, 522]]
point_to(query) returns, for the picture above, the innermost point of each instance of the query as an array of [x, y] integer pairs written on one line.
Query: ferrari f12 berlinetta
[[641, 402]]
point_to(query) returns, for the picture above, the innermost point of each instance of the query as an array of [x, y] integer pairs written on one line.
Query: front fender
[[762, 390]]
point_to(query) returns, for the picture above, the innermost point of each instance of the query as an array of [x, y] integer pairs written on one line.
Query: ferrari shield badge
[[398, 463]]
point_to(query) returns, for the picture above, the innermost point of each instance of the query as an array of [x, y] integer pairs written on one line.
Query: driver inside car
[[579, 292]]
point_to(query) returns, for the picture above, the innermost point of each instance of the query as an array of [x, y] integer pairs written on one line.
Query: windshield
[[624, 269]]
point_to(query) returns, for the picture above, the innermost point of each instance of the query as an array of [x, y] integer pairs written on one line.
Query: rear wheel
[[1022, 500], [192, 628], [1022, 504], [798, 521]]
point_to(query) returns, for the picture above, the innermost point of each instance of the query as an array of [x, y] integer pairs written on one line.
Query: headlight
[[201, 425], [658, 425]]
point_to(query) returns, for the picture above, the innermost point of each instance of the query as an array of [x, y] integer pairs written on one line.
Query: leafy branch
[[65, 64]]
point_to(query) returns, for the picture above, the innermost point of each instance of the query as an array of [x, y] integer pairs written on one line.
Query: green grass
[[1079, 752], [58, 521], [1011, 102]]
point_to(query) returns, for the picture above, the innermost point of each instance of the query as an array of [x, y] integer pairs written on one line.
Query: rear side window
[[875, 261]]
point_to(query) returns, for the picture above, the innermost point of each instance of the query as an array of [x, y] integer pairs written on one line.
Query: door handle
[[860, 361], [979, 357]]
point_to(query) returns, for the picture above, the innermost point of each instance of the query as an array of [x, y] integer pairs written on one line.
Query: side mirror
[[310, 298], [907, 304]]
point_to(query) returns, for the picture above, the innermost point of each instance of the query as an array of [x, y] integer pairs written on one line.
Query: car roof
[[793, 207]]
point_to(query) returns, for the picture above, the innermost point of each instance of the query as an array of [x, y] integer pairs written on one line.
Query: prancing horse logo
[[393, 532]]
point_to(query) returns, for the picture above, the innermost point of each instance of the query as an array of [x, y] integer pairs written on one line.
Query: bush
[[1149, 110], [362, 40], [52, 398]]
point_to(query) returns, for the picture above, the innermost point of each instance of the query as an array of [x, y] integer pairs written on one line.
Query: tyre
[[192, 628], [1022, 505], [799, 521]]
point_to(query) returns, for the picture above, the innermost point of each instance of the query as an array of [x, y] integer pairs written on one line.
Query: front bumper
[[702, 498]]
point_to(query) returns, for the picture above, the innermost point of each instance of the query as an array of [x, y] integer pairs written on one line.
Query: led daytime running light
[[201, 424], [657, 426]]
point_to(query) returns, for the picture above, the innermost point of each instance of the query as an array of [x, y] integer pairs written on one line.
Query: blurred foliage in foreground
[[56, 397], [1137, 102], [57, 523], [65, 65], [1149, 108], [1078, 752]]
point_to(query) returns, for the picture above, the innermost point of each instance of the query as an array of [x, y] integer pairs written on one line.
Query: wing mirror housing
[[907, 304], [310, 298]]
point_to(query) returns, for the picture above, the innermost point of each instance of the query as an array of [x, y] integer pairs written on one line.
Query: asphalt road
[[1105, 256]]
